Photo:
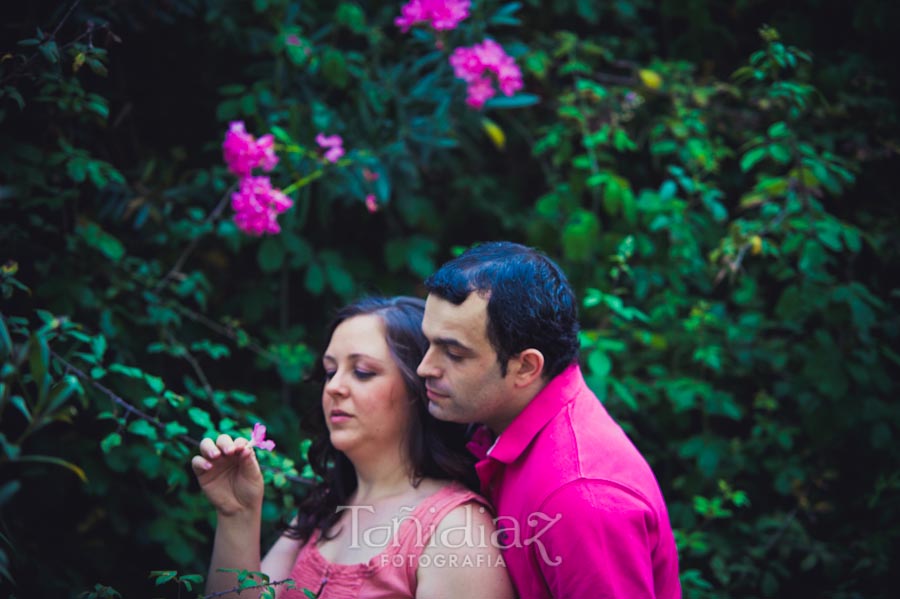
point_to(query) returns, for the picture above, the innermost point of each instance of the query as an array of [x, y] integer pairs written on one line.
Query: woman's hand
[[229, 475]]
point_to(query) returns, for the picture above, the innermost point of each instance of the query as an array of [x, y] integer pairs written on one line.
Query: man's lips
[[435, 395]]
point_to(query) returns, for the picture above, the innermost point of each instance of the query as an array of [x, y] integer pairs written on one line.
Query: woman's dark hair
[[530, 301], [436, 449]]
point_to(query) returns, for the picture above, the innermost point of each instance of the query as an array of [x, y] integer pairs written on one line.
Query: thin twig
[[194, 364], [17, 71], [239, 589], [217, 211], [125, 405]]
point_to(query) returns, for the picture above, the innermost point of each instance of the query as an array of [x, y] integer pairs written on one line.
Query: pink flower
[[243, 153], [257, 204], [474, 65], [371, 204], [441, 15], [479, 91], [266, 147], [333, 144], [292, 40], [258, 439]]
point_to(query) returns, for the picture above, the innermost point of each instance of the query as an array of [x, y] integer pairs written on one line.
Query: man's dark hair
[[530, 301]]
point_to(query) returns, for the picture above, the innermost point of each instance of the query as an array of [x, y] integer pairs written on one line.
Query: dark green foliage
[[716, 178]]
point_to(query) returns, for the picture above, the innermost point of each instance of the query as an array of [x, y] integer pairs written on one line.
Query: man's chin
[[441, 412]]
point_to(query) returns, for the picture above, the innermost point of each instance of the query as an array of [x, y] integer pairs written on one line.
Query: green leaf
[[517, 101], [62, 391], [11, 450], [314, 281], [6, 344], [752, 157], [55, 461], [100, 240], [110, 441], [599, 363], [19, 403], [143, 428], [351, 16], [201, 418], [173, 429], [271, 254], [155, 383], [579, 238], [334, 68], [163, 576]]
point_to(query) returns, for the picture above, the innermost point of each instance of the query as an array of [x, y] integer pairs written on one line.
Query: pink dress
[[391, 573]]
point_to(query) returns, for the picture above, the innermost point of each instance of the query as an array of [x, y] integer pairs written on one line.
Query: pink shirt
[[392, 573], [579, 512]]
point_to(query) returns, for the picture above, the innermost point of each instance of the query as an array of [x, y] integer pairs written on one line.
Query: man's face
[[460, 369]]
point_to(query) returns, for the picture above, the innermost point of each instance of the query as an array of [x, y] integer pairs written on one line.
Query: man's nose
[[426, 369]]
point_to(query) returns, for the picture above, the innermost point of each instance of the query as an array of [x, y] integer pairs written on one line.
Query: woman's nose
[[335, 385]]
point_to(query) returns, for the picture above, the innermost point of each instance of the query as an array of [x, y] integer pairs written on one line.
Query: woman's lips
[[337, 416]]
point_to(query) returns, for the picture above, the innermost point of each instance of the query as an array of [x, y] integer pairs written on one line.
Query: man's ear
[[526, 367]]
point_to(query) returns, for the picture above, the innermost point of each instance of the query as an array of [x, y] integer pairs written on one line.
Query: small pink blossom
[[257, 204], [441, 15], [370, 175], [243, 153], [333, 144], [474, 65], [258, 439], [479, 91], [292, 40], [266, 147], [371, 204]]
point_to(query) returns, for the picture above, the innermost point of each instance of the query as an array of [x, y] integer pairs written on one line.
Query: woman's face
[[366, 405]]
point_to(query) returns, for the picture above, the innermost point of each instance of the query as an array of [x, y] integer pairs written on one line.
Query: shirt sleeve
[[595, 539]]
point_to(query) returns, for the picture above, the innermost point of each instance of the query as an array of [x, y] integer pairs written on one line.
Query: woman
[[389, 518]]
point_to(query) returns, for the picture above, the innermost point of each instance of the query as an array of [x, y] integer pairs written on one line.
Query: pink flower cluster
[[333, 146], [243, 153], [442, 15], [256, 203], [475, 63]]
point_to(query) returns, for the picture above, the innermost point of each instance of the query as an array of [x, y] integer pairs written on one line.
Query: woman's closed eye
[[363, 375]]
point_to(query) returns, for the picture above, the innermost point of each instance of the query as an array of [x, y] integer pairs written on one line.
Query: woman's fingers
[[200, 465], [208, 449], [225, 444]]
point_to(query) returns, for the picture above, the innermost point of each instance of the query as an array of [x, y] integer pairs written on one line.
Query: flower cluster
[[333, 146], [256, 203], [442, 15], [243, 153], [475, 63]]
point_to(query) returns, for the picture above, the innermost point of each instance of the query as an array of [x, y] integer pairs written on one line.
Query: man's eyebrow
[[450, 342]]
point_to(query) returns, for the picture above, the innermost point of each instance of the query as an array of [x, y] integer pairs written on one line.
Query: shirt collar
[[560, 391]]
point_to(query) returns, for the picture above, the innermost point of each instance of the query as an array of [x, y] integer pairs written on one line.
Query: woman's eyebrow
[[353, 356]]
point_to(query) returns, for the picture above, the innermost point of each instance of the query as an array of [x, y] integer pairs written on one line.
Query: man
[[579, 512]]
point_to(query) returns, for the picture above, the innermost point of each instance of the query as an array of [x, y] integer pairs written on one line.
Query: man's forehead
[[468, 319]]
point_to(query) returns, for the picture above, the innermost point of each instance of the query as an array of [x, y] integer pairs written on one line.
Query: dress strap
[[417, 527]]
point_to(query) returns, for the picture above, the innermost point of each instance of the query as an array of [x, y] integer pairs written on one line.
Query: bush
[[716, 188]]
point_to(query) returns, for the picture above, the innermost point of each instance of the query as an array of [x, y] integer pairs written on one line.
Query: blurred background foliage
[[714, 177]]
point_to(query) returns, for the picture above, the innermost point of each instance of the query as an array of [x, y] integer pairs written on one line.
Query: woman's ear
[[527, 367]]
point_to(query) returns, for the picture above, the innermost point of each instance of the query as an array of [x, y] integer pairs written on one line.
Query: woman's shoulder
[[443, 495]]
